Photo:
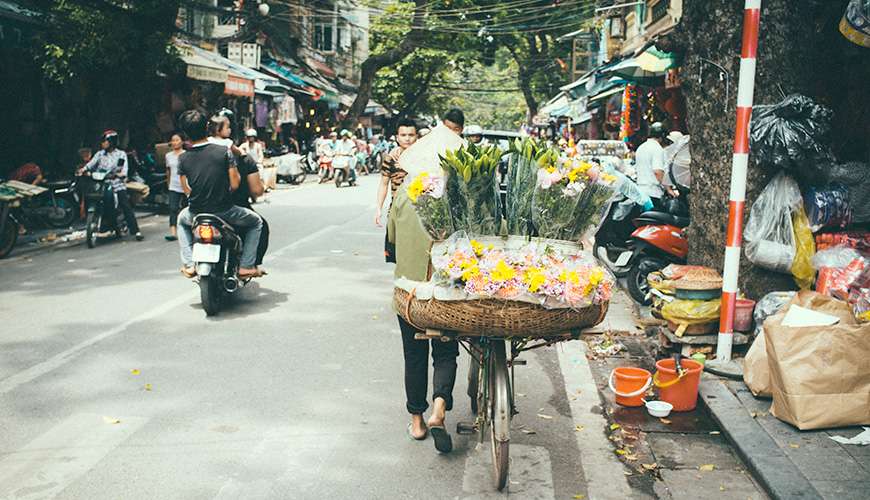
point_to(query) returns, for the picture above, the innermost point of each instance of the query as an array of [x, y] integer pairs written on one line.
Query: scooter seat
[[654, 217], [58, 184]]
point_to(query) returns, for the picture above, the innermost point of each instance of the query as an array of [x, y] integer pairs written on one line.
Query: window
[[323, 37], [659, 10]]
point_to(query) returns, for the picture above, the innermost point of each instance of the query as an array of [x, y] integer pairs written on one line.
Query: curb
[[777, 474], [59, 242]]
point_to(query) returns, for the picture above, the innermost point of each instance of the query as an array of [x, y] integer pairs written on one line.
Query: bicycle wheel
[[500, 412]]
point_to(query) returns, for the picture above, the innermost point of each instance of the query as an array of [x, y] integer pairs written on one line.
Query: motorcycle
[[217, 251], [344, 170], [57, 207], [656, 239], [96, 196], [292, 167]]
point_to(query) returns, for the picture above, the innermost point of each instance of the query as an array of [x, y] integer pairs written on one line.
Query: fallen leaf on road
[[620, 452], [110, 420], [545, 417], [665, 421], [527, 431], [375, 317], [579, 497], [706, 467], [651, 466], [721, 488], [613, 427], [715, 433], [627, 473], [147, 387], [630, 458], [520, 395], [794, 445], [134, 371], [578, 428]]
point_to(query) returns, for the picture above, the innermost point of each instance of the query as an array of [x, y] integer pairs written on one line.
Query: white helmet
[[473, 130], [251, 132]]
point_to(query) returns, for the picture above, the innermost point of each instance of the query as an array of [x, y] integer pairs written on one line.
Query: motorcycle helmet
[[345, 133], [251, 132], [657, 130], [111, 136]]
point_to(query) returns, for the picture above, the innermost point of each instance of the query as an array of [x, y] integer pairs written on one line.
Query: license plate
[[206, 253]]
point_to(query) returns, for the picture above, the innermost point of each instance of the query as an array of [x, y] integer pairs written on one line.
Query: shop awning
[[285, 72], [657, 61], [647, 68], [261, 81], [607, 93], [200, 68], [554, 104]]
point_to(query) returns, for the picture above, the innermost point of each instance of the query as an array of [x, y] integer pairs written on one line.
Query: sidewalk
[[789, 463], [682, 457]]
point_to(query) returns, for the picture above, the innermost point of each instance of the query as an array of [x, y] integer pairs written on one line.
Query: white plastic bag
[[769, 233]]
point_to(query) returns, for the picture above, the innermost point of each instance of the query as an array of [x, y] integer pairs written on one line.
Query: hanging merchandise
[[769, 233], [261, 113], [287, 110], [630, 122], [802, 266], [828, 208], [793, 135]]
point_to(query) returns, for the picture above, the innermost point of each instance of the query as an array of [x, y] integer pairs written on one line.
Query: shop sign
[[204, 73], [239, 86]]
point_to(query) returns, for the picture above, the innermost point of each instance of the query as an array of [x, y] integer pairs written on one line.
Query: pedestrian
[[176, 191], [392, 176], [650, 164], [209, 174], [113, 161], [412, 245]]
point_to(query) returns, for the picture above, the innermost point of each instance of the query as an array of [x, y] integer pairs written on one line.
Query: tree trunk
[[375, 63], [800, 51]]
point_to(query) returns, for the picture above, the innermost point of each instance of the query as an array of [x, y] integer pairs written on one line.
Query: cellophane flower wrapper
[[427, 193], [521, 186], [474, 205], [569, 199], [534, 272]]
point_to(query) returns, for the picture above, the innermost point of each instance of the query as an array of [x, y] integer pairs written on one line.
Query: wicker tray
[[494, 317]]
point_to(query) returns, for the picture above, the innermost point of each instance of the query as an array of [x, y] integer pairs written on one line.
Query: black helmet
[[657, 130]]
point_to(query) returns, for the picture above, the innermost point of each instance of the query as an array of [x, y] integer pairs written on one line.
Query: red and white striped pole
[[739, 167]]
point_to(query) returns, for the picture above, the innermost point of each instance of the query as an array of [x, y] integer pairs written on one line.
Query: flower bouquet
[[536, 272], [569, 197], [521, 176], [472, 188], [426, 192]]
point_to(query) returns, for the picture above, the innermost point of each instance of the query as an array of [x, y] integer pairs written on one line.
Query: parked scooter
[[217, 250], [656, 239], [96, 196], [57, 207]]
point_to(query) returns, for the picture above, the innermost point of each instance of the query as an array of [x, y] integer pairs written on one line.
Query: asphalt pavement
[[114, 384]]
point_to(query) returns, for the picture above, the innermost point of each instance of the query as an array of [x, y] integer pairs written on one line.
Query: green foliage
[[121, 41]]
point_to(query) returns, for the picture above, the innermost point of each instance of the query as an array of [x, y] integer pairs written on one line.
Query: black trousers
[[264, 242], [176, 203], [416, 352], [125, 206]]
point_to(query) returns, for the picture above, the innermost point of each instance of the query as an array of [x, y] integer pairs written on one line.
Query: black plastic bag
[[856, 177], [793, 135]]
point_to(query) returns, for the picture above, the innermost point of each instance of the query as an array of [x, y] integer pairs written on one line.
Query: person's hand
[[395, 154], [378, 218]]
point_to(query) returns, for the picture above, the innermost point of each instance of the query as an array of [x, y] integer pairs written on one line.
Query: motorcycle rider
[[113, 162], [209, 175], [253, 147], [326, 154], [344, 155], [474, 134]]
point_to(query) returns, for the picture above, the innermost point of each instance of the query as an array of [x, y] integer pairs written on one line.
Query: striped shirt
[[392, 170]]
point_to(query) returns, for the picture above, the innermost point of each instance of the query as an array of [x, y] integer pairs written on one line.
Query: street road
[[114, 384]]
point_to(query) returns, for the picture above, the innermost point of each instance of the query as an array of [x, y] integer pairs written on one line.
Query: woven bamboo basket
[[494, 317]]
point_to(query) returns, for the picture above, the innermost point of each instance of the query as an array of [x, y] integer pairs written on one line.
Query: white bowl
[[659, 408]]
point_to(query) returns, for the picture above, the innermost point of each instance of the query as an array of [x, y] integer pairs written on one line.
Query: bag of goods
[[828, 208], [570, 197], [855, 177], [769, 233], [471, 188], [793, 135], [852, 239], [817, 354], [686, 313], [840, 270], [801, 266], [756, 373]]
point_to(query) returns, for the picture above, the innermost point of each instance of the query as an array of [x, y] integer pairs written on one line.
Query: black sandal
[[443, 442]]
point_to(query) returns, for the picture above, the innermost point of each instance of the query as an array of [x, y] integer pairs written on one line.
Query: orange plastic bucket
[[629, 384], [682, 392]]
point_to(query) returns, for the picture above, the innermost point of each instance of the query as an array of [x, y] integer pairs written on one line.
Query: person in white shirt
[[650, 163], [253, 147], [345, 149]]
